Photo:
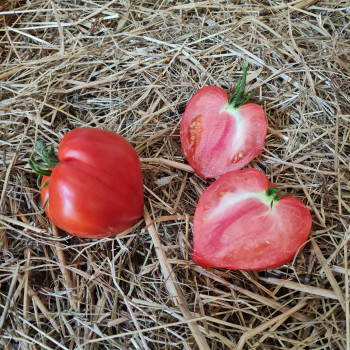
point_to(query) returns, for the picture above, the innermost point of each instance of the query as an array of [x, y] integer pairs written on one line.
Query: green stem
[[45, 204], [238, 98], [47, 160], [274, 194]]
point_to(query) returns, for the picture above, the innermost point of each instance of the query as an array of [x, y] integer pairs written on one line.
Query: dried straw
[[131, 67]]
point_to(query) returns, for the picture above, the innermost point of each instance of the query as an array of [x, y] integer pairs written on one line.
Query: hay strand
[[131, 67]]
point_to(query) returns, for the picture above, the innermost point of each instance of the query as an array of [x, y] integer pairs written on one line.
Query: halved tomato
[[221, 133], [242, 222]]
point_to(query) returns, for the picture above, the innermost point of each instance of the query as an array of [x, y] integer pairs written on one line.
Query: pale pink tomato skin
[[216, 138], [235, 228]]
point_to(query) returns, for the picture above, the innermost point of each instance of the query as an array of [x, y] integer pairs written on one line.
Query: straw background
[[131, 67]]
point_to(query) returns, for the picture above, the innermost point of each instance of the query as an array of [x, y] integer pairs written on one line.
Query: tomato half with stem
[[221, 133], [95, 185], [242, 222]]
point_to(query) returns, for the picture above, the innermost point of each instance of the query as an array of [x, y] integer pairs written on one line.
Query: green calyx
[[238, 98], [43, 161], [274, 194]]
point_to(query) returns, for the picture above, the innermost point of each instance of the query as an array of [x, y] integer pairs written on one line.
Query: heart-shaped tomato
[[221, 133], [242, 222], [95, 186]]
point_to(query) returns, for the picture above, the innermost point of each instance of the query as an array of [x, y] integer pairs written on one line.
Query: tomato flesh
[[96, 190], [217, 138], [238, 226]]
